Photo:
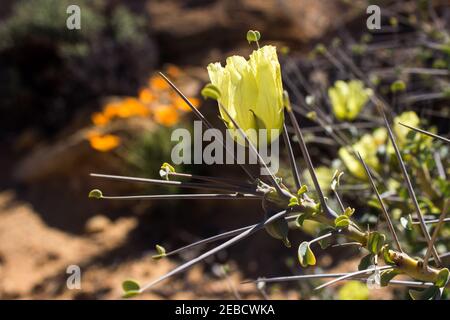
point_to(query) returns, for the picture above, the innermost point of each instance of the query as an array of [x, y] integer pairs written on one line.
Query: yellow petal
[[251, 91]]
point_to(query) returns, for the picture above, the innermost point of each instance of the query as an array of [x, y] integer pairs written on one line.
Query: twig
[[175, 183], [352, 274], [383, 207], [409, 186], [220, 236], [292, 162], [346, 244], [307, 158], [426, 133], [219, 180], [209, 253], [217, 196], [341, 205], [416, 284], [436, 232]]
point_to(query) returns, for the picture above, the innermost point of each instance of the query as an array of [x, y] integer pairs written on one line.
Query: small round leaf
[[305, 255], [253, 36], [95, 194], [341, 221], [211, 91], [130, 285], [442, 278]]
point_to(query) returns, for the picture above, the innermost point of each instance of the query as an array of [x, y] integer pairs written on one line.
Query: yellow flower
[[324, 176], [409, 118], [367, 147], [251, 91], [166, 115], [348, 98], [103, 143]]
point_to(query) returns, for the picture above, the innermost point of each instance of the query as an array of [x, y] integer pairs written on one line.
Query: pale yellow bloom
[[409, 118], [251, 91], [348, 98], [367, 147]]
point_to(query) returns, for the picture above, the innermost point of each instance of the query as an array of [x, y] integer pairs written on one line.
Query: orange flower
[[111, 109], [99, 119], [157, 83], [166, 115], [132, 107], [103, 143], [181, 105], [173, 71], [146, 96]]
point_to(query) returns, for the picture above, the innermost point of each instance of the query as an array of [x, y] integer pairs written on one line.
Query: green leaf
[[161, 252], [293, 202], [320, 48], [95, 194], [349, 211], [131, 288], [131, 293], [365, 262], [253, 36], [279, 229], [442, 278], [387, 275], [386, 255], [406, 222], [168, 167], [305, 255], [312, 115], [211, 91], [160, 249], [398, 85], [326, 242], [301, 218], [375, 242], [341, 221], [165, 169], [430, 293], [130, 285], [374, 204], [336, 180], [303, 189]]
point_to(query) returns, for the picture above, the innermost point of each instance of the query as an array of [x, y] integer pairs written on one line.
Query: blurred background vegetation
[[90, 100]]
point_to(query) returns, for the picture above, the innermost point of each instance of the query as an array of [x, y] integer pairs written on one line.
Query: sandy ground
[[34, 258]]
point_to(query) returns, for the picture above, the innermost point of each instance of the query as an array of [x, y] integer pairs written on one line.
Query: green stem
[[403, 262]]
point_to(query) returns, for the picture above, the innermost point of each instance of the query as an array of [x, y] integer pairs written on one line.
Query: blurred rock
[[187, 30], [72, 156], [97, 224]]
